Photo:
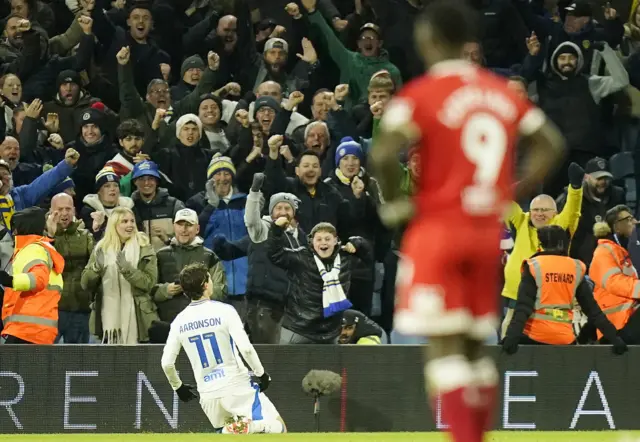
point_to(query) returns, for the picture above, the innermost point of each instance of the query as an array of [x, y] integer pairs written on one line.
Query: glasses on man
[[541, 210], [627, 219]]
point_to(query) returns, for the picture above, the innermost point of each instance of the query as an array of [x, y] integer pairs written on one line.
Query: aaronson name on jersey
[[202, 323]]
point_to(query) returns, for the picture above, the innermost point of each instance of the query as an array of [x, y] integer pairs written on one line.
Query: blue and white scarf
[[333, 298]]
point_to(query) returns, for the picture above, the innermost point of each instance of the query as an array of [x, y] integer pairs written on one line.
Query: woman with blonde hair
[[121, 272], [617, 287]]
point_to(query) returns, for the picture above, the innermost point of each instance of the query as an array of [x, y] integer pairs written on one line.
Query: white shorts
[[250, 404]]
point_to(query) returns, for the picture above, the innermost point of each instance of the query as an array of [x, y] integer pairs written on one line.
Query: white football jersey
[[212, 335]]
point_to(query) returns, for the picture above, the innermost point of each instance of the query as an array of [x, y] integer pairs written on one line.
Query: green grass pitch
[[538, 436]]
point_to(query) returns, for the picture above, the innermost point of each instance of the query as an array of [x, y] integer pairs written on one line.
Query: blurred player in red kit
[[466, 122]]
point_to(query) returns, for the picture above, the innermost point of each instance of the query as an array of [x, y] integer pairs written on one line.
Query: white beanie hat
[[188, 118]]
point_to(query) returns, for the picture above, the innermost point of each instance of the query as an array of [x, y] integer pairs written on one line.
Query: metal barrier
[[68, 388]]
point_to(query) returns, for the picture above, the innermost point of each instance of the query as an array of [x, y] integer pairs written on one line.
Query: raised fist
[[242, 117], [71, 157], [295, 98], [341, 92], [86, 23], [275, 142], [286, 153], [214, 61], [24, 25], [278, 31], [283, 222], [123, 55], [56, 141], [233, 89]]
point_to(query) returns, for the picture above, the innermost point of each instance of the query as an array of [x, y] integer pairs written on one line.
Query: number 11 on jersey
[[199, 341]]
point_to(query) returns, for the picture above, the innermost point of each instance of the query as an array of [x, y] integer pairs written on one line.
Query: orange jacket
[[617, 287], [30, 309], [557, 279]]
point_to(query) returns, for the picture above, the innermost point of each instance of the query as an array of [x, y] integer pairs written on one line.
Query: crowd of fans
[[236, 134]]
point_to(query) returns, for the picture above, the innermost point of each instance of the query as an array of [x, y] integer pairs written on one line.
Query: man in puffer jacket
[[322, 272], [268, 286]]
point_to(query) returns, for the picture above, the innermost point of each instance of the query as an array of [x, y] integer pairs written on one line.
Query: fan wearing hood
[[357, 328], [323, 278], [578, 27], [569, 87], [356, 68]]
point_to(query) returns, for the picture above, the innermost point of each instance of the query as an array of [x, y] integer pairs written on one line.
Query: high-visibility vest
[[617, 287], [28, 313], [557, 279]]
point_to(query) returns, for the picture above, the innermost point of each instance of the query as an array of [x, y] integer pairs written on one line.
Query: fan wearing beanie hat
[[349, 157], [98, 206], [68, 84], [189, 129], [284, 204], [264, 111], [91, 121], [190, 73], [220, 175]]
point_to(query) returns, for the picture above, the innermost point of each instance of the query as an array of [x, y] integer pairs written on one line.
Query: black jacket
[[527, 297], [266, 281], [186, 167], [304, 310], [327, 205], [92, 160], [584, 242]]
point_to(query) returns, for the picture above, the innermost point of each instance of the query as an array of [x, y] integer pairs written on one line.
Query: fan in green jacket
[[356, 68]]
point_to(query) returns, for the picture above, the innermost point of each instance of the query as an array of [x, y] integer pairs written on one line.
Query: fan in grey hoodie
[[268, 286]]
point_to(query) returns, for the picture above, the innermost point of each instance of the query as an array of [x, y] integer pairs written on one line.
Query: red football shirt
[[466, 123]]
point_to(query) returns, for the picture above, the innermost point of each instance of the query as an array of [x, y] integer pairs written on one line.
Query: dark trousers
[[239, 302], [264, 321], [388, 292], [13, 340], [73, 327], [630, 333]]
